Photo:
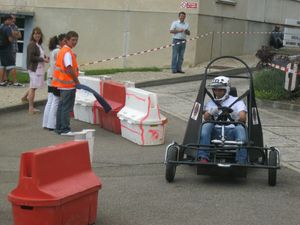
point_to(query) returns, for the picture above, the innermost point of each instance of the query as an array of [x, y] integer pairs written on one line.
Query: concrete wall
[[113, 28]]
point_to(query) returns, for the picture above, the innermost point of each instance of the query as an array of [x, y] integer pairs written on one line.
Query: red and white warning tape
[[282, 68], [170, 45], [242, 32]]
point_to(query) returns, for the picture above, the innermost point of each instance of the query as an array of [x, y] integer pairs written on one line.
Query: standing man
[[16, 35], [65, 78], [179, 29], [6, 56]]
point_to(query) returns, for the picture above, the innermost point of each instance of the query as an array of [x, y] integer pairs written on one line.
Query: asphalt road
[[134, 188]]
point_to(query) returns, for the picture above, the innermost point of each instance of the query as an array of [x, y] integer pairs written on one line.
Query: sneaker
[[180, 71], [16, 84], [70, 133], [3, 84]]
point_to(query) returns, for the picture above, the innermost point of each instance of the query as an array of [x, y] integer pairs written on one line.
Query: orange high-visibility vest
[[61, 79]]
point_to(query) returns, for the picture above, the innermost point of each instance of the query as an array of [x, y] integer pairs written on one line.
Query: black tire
[[171, 168], [272, 172]]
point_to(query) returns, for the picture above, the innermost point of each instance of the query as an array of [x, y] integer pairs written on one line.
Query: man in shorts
[[7, 61], [16, 35]]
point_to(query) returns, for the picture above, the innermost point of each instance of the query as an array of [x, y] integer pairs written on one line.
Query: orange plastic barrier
[[114, 93], [56, 186]]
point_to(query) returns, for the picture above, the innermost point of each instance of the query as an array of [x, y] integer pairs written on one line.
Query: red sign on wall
[[189, 5]]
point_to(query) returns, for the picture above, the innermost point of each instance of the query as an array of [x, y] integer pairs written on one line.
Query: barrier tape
[[282, 68], [171, 45]]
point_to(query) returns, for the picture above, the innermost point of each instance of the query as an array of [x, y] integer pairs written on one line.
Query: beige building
[[110, 28]]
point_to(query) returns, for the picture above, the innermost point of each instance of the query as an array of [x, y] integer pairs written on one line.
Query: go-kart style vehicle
[[222, 152]]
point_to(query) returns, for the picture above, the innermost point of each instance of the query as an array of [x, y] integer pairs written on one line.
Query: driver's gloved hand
[[214, 111]]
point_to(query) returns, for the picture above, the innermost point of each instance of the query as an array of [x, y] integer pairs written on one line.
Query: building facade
[[113, 28]]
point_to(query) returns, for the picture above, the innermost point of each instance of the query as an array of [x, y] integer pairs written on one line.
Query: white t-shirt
[[68, 59], [177, 25], [237, 107]]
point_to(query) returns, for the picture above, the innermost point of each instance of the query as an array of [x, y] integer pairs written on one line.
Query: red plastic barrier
[[114, 93], [56, 187]]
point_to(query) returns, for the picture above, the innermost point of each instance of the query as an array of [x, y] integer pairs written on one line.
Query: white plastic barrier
[[84, 107], [141, 121], [291, 81], [92, 82], [88, 135], [84, 100]]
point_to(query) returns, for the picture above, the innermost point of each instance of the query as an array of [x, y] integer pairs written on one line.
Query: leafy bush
[[265, 55], [269, 84]]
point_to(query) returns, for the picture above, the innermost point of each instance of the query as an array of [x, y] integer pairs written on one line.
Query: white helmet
[[221, 82]]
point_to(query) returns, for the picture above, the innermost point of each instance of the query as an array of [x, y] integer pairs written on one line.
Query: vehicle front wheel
[[171, 168], [272, 161]]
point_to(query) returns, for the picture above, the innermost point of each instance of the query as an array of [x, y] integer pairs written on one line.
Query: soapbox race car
[[222, 153]]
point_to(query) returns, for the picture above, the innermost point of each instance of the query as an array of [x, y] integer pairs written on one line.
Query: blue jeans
[[177, 55], [65, 107], [209, 132]]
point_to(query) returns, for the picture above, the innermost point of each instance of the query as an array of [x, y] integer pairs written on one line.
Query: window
[[227, 2]]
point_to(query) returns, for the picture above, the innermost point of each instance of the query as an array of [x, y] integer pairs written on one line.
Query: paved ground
[[134, 189]]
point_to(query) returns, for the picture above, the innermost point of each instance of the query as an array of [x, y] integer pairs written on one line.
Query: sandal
[[34, 111]]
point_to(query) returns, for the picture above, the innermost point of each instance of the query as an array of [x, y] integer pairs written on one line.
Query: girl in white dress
[[49, 119]]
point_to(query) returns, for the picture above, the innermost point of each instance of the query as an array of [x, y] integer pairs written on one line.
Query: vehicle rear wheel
[[171, 168], [272, 161]]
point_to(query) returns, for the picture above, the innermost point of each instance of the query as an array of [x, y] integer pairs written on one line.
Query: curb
[[187, 78], [21, 106]]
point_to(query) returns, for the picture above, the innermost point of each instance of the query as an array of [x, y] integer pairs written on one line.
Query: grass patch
[[121, 70], [269, 84], [23, 77]]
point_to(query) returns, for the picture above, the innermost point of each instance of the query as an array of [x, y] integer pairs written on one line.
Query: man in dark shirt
[[276, 39], [16, 35], [7, 60]]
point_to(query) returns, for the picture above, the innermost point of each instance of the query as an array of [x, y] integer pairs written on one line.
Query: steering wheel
[[225, 114]]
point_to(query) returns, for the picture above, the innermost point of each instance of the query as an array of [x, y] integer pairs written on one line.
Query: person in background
[[276, 39], [36, 60], [16, 35], [6, 56], [49, 119], [179, 29], [65, 78]]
